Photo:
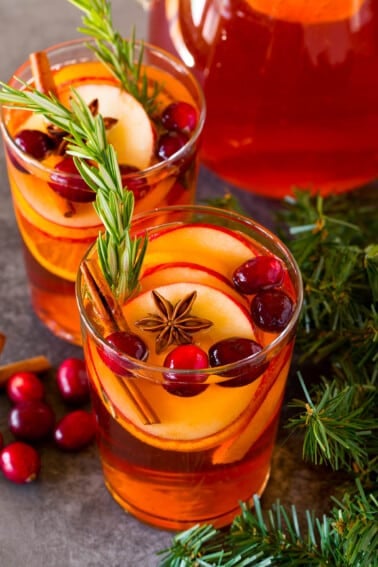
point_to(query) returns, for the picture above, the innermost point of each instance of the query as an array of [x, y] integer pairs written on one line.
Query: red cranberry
[[35, 143], [31, 421], [186, 357], [170, 143], [272, 310], [137, 184], [180, 116], [257, 274], [126, 343], [234, 349], [73, 188], [75, 430], [72, 380], [20, 462], [24, 387]]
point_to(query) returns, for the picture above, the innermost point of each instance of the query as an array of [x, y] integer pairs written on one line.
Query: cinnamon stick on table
[[112, 317], [34, 364]]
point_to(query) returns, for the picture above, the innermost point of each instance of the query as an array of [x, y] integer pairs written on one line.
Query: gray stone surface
[[67, 518]]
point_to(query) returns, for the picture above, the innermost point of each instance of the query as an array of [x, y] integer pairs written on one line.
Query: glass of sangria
[[188, 378], [157, 149], [291, 88]]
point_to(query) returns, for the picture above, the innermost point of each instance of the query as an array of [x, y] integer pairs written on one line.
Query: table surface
[[67, 518]]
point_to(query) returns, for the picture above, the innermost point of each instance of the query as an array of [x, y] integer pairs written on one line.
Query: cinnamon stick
[[35, 364], [111, 315], [40, 67]]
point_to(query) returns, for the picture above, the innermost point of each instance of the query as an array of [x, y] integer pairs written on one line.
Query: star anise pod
[[173, 323]]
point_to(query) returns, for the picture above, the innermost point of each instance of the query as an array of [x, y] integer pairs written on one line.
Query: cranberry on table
[[20, 462], [257, 274], [126, 343], [31, 420], [170, 143], [180, 116], [186, 357], [67, 182], [25, 386], [234, 349], [35, 143], [272, 310], [72, 381], [75, 430]]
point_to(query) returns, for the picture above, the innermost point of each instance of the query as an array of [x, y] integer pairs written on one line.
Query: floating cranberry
[[135, 183], [75, 430], [19, 462], [186, 357], [126, 343], [272, 310], [170, 143], [31, 421], [35, 143], [234, 349], [257, 274], [180, 116], [72, 381], [67, 182], [24, 387]]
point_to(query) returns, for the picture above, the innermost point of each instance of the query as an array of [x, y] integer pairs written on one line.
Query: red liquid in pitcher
[[291, 87]]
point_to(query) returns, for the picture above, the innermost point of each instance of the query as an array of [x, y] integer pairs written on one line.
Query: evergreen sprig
[[120, 255], [347, 537], [121, 56]]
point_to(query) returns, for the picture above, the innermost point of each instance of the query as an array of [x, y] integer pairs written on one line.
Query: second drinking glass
[[156, 147]]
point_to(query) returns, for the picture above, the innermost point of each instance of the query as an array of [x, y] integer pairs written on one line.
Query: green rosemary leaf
[[121, 56]]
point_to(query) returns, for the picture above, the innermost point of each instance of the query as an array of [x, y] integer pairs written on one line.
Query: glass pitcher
[[291, 88]]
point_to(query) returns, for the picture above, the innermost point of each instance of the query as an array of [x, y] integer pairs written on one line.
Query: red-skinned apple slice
[[176, 272], [216, 247], [132, 136], [184, 423]]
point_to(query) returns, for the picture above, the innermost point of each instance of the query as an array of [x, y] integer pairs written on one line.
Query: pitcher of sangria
[[291, 88]]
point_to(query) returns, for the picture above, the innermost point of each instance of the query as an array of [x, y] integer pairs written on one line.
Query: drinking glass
[[55, 225], [291, 88], [183, 442]]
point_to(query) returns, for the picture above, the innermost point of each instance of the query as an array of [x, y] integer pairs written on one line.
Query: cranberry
[[72, 381], [126, 343], [73, 188], [272, 310], [24, 387], [20, 462], [135, 183], [75, 430], [35, 143], [170, 143], [31, 421], [182, 357], [234, 349], [180, 116], [262, 272]]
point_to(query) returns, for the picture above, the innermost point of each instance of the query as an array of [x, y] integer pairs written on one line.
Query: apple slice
[[132, 136], [216, 247], [176, 272], [193, 423]]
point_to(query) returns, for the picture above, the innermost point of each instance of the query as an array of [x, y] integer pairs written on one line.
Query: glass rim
[[267, 352], [155, 168]]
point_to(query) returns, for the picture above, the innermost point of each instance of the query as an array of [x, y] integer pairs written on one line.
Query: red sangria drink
[[156, 149], [188, 394], [291, 88]]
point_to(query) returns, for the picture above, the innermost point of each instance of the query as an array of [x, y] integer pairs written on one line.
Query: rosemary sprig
[[120, 256], [119, 55]]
